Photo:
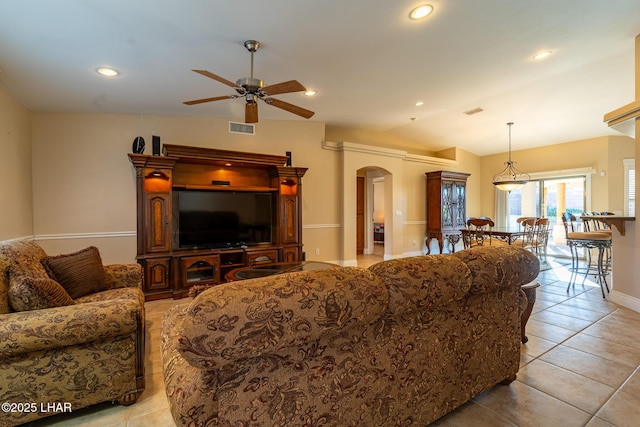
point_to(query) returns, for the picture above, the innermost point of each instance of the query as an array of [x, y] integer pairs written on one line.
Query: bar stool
[[593, 224], [587, 240]]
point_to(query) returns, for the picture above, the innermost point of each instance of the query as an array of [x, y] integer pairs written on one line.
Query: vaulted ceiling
[[369, 63]]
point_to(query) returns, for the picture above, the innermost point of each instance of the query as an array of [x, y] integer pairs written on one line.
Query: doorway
[[370, 216]]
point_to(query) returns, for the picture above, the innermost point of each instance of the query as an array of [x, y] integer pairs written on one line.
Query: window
[[629, 187]]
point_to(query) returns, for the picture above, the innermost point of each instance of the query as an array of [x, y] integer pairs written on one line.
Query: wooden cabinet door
[[158, 212], [199, 270], [461, 205], [156, 275], [290, 254], [448, 205], [289, 213]]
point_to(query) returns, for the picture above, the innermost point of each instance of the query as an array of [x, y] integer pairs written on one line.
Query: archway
[[371, 234]]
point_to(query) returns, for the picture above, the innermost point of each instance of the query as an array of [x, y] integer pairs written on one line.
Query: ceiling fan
[[253, 89]]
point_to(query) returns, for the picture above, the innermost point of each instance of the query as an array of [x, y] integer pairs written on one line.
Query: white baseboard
[[625, 300]]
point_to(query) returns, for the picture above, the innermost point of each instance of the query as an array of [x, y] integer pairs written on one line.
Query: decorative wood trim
[[144, 161], [202, 155], [223, 188]]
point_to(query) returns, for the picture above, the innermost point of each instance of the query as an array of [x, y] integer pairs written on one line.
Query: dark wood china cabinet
[[446, 207]]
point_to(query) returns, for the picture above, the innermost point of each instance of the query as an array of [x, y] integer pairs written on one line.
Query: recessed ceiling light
[[310, 92], [419, 103], [421, 12], [107, 72], [541, 55]]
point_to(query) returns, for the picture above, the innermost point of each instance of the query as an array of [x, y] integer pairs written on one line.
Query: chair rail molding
[[97, 235], [318, 226]]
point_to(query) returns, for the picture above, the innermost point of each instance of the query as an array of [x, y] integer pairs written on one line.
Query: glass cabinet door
[[200, 270]]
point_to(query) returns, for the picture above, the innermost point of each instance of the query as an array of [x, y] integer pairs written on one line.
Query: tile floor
[[579, 368]]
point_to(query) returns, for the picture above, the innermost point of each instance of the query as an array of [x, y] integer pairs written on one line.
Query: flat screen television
[[222, 219]]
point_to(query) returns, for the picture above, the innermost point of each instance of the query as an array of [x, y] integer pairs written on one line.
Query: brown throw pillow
[[80, 273], [28, 293]]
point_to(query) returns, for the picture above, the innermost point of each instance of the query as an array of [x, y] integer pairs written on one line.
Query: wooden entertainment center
[[170, 270]]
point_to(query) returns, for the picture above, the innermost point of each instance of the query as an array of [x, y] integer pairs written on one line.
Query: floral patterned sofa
[[59, 353], [401, 343]]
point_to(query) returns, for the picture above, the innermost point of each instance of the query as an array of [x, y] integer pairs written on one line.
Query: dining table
[[507, 234]]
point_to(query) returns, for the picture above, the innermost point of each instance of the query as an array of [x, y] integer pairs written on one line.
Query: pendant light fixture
[[510, 178]]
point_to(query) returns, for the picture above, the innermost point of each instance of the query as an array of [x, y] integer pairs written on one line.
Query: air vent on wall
[[244, 128]]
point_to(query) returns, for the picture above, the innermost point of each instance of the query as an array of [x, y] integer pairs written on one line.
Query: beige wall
[[15, 169]]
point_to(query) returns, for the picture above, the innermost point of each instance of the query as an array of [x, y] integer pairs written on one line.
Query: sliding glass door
[[549, 198]]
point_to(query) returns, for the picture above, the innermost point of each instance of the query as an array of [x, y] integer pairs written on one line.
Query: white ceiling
[[369, 63]]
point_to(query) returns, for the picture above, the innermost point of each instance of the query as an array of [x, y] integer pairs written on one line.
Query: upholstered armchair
[[56, 348]]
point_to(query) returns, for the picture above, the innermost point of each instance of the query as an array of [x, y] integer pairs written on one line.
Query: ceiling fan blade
[[216, 98], [218, 78], [284, 87], [290, 107], [251, 112]]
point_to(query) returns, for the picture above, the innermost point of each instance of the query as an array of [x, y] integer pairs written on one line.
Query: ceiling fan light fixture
[[310, 92], [510, 178], [421, 12]]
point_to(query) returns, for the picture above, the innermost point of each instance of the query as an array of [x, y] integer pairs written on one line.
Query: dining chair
[[541, 238], [522, 219], [528, 239], [479, 231]]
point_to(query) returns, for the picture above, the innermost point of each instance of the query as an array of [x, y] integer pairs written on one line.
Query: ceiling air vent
[[474, 111], [244, 128]]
